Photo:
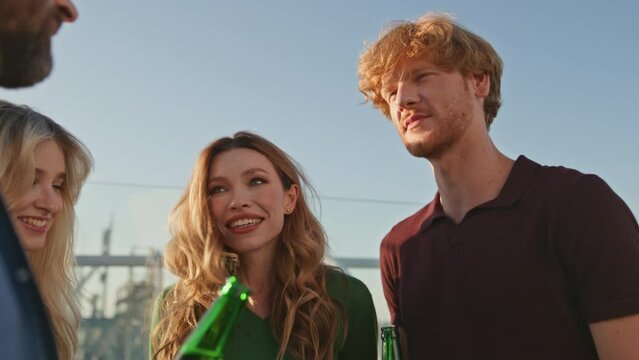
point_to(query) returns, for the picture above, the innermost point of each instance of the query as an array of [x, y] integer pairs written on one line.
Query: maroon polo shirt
[[521, 276]]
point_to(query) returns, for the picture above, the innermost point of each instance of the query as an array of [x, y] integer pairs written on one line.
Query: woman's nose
[[49, 200], [240, 200]]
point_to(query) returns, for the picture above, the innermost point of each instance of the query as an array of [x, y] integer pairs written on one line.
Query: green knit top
[[252, 337]]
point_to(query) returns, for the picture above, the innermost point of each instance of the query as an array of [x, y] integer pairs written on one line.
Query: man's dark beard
[[25, 58]]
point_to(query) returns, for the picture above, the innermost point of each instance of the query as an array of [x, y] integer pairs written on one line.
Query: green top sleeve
[[155, 317], [361, 338]]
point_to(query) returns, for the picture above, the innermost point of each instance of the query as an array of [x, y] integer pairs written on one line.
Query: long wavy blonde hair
[[304, 318], [21, 130]]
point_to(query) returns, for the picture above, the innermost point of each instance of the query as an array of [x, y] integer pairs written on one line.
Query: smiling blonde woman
[[244, 212], [42, 169]]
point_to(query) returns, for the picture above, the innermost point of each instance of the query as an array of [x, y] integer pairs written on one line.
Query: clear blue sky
[[147, 83]]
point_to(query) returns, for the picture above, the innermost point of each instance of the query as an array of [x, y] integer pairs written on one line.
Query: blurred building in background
[[116, 326]]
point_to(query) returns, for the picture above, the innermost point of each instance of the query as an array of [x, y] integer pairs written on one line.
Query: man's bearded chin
[[25, 59]]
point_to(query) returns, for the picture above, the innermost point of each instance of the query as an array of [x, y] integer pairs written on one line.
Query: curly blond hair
[[303, 315], [437, 38]]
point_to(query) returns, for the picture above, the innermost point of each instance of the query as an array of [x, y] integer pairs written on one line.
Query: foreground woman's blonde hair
[[304, 318], [21, 130]]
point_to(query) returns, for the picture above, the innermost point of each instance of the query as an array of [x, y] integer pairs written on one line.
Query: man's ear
[[481, 84]]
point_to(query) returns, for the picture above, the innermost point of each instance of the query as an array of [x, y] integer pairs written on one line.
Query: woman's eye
[[58, 187], [257, 181], [215, 190]]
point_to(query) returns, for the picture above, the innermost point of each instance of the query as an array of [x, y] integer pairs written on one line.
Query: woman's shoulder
[[345, 288], [158, 303], [162, 294]]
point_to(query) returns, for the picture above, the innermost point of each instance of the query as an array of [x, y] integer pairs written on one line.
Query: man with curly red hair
[[511, 259]]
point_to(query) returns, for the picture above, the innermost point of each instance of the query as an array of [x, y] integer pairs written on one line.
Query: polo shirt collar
[[520, 176], [433, 211]]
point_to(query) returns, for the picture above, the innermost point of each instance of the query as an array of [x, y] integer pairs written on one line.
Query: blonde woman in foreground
[[244, 212], [42, 169]]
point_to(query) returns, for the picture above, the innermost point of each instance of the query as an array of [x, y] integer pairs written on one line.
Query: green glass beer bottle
[[390, 343], [208, 339]]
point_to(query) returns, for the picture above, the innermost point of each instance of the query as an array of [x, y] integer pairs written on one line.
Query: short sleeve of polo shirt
[[598, 244]]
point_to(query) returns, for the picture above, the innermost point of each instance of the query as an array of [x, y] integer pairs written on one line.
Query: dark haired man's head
[[26, 28]]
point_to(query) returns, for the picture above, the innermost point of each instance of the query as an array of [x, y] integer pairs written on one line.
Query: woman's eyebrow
[[60, 176], [253, 171]]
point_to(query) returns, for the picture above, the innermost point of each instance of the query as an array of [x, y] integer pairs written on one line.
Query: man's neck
[[470, 175]]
